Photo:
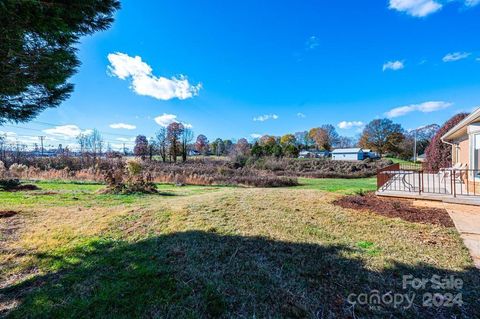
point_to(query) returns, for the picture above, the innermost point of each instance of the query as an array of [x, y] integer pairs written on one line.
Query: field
[[338, 185], [208, 251]]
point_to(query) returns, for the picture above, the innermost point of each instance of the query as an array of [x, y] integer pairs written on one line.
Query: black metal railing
[[416, 178]]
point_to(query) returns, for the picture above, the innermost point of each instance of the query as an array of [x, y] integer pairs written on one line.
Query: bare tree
[[95, 143], [382, 136], [345, 142], [82, 142], [162, 143], [325, 136], [242, 147], [187, 137], [201, 145], [141, 146], [174, 133]]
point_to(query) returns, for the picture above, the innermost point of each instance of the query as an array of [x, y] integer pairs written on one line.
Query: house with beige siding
[[465, 141], [459, 183]]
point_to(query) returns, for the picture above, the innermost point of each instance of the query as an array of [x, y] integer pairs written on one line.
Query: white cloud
[[416, 8], [312, 43], [471, 3], [13, 138], [349, 124], [69, 131], [123, 126], [145, 83], [167, 119], [266, 117], [301, 115], [7, 134], [451, 57], [256, 135], [393, 65], [8, 137], [425, 107], [126, 139]]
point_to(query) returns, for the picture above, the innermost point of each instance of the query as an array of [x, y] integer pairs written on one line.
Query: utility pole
[[415, 147], [41, 143]]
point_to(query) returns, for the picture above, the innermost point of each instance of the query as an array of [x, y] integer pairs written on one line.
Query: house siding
[[463, 152], [347, 157], [473, 187]]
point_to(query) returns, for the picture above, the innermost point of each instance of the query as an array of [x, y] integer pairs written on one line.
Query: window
[[476, 152], [475, 156]]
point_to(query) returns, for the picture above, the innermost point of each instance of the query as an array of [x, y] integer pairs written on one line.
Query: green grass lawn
[[399, 161], [339, 185], [205, 252]]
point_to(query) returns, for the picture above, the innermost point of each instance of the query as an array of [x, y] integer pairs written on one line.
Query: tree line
[[380, 135]]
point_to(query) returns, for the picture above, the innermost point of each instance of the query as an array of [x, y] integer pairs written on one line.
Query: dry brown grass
[[278, 241]]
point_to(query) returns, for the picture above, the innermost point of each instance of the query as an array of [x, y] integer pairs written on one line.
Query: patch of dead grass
[[265, 235]]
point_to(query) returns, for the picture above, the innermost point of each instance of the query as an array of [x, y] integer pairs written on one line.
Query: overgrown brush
[[216, 173], [128, 177], [318, 168]]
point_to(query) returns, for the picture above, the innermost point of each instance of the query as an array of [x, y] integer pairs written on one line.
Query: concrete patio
[[429, 186]]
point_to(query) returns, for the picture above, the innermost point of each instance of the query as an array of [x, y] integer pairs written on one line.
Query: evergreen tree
[[257, 150], [37, 51]]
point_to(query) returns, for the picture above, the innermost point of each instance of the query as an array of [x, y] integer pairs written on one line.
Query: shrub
[[361, 192], [17, 170], [9, 184], [139, 180], [129, 177], [113, 177], [3, 170], [439, 154]]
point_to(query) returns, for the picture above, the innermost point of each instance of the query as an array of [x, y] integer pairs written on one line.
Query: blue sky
[[234, 69]]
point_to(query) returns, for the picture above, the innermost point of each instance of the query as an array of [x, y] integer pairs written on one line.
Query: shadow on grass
[[202, 274]]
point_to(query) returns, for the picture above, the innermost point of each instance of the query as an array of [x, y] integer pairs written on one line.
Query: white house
[[348, 154], [313, 154]]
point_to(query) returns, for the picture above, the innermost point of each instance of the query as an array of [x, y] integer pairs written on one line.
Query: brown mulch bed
[[400, 208]]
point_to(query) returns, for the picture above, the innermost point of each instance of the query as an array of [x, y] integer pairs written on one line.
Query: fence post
[[454, 185], [419, 183]]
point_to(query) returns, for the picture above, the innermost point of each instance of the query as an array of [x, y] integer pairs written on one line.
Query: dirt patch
[[45, 193], [21, 188], [400, 208], [7, 213], [9, 226]]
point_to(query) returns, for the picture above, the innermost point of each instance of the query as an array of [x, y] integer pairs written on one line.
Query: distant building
[[313, 154], [193, 153], [370, 154], [349, 154], [420, 158], [45, 153]]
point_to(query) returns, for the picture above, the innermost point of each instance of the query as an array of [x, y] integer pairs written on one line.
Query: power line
[[83, 129], [41, 142], [62, 138]]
